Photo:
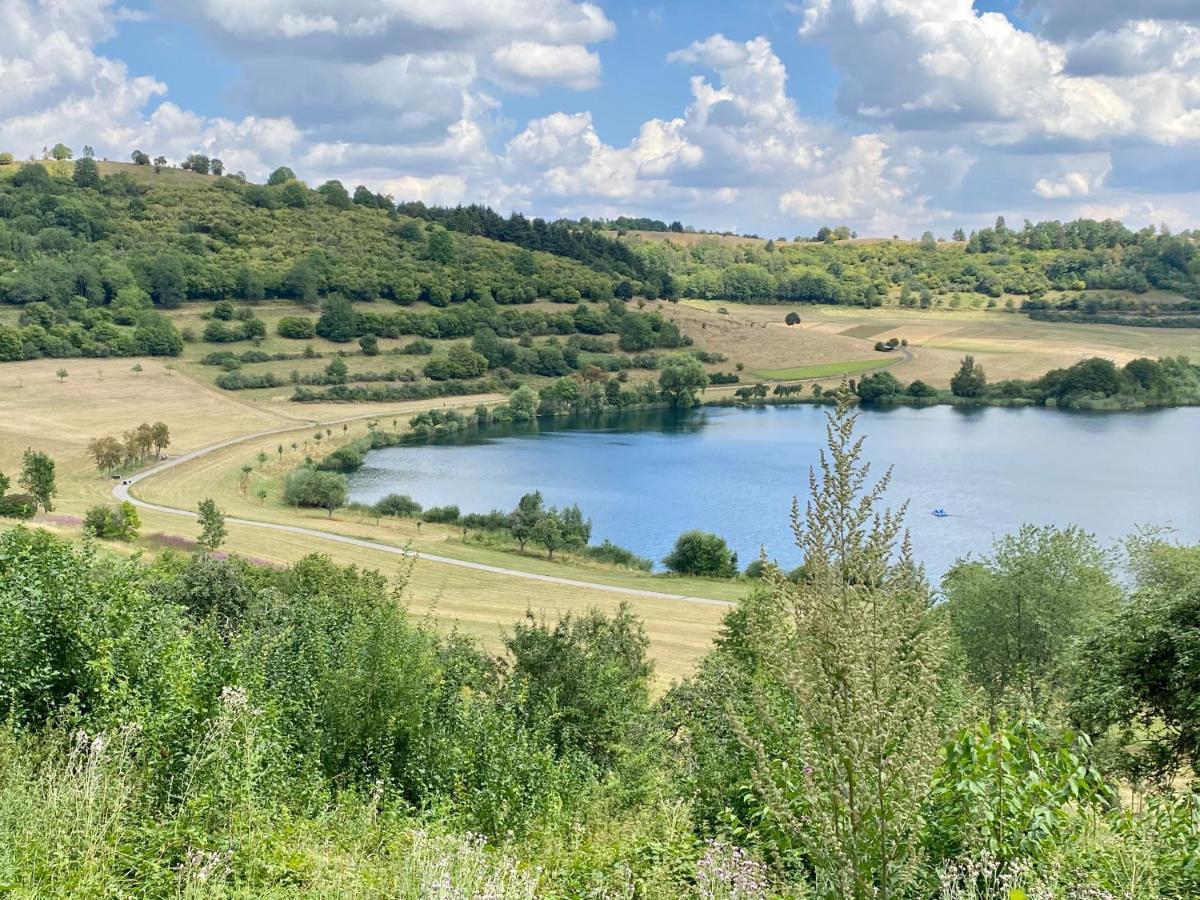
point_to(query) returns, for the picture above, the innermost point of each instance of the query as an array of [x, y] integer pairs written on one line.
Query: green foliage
[[295, 327], [969, 381], [312, 488], [681, 378], [119, 523], [878, 387], [1011, 793], [1016, 614], [38, 477], [839, 673], [398, 505], [587, 679], [703, 554], [1136, 678], [212, 525]]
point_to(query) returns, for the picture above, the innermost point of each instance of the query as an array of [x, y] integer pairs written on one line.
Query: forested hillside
[[1047, 263]]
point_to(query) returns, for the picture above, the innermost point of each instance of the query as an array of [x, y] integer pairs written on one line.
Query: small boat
[[940, 512]]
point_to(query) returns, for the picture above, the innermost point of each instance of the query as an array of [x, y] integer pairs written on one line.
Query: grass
[[101, 397], [824, 370]]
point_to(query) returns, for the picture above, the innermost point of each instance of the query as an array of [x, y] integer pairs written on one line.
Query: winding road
[[122, 492]]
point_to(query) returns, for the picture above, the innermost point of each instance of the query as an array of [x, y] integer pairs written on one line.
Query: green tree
[[106, 451], [61, 152], [1017, 613], [282, 175], [160, 435], [38, 478], [522, 521], [969, 380], [440, 246], [62, 375], [586, 681], [681, 378], [523, 404], [87, 173], [1135, 680], [702, 553], [322, 490], [337, 371], [792, 318], [550, 532], [338, 321], [212, 525], [335, 194], [168, 281]]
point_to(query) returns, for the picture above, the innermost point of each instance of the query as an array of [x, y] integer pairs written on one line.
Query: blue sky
[[892, 116]]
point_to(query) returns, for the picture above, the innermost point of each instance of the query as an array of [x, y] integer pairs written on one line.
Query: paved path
[[121, 492]]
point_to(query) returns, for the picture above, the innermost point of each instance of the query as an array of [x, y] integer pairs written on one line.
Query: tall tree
[[38, 478], [969, 380], [212, 525]]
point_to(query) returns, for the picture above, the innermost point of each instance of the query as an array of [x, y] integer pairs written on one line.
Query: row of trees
[[131, 448]]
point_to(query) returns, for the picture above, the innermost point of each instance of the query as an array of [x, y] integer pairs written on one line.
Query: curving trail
[[121, 492]]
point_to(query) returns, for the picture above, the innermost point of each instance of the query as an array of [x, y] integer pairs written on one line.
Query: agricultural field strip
[[122, 492]]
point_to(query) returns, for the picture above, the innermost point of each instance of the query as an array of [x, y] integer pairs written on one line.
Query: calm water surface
[[645, 477]]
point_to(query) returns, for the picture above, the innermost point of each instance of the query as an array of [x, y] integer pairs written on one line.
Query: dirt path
[[122, 492]]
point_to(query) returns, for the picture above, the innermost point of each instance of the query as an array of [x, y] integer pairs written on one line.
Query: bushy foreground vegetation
[[199, 727]]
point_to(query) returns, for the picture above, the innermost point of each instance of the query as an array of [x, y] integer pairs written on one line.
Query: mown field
[[101, 397], [1007, 345]]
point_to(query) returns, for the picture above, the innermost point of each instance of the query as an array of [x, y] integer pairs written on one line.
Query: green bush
[[18, 506], [295, 327], [702, 553]]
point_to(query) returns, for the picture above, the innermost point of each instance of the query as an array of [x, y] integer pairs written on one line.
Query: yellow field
[[105, 397], [1007, 345]]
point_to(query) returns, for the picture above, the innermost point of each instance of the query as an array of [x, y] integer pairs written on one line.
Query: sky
[[891, 116]]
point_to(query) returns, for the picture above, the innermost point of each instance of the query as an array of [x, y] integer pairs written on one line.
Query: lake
[[645, 477]]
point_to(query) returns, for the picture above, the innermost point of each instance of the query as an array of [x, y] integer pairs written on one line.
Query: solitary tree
[[969, 380], [792, 318], [212, 525], [38, 478], [136, 369], [262, 458], [61, 152], [62, 375], [523, 520], [681, 378]]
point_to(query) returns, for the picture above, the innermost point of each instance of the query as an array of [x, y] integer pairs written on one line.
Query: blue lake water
[[645, 477]]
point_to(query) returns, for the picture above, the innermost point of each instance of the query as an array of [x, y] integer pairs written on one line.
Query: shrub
[[702, 553], [447, 515], [18, 506], [119, 523], [608, 552], [344, 459], [320, 490], [295, 327]]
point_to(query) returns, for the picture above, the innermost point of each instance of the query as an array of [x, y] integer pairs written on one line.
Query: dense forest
[[202, 726]]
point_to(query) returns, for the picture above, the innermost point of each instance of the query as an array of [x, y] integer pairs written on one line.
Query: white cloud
[[527, 66], [938, 63], [1079, 178]]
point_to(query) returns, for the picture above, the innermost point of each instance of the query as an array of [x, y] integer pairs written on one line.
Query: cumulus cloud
[[527, 66], [922, 64], [1078, 177], [1080, 18]]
